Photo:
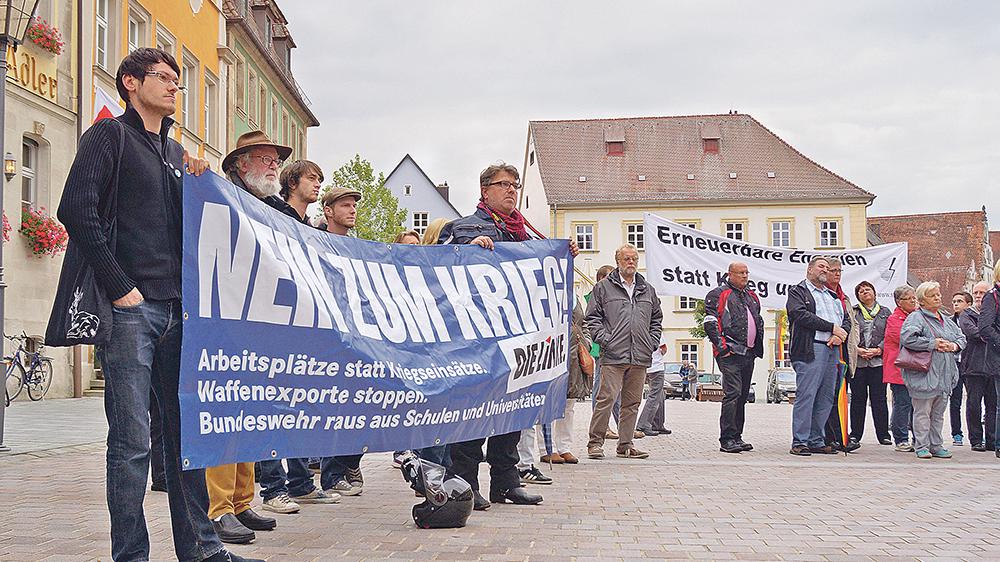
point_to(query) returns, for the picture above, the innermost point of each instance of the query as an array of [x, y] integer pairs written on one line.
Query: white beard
[[260, 185]]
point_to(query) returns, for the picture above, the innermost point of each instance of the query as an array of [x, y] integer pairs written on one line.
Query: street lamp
[[15, 17], [9, 166]]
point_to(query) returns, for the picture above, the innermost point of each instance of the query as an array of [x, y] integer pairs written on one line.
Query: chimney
[[442, 188]]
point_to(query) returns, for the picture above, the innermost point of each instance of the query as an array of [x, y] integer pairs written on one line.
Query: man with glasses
[[253, 165], [625, 318], [496, 220], [141, 274]]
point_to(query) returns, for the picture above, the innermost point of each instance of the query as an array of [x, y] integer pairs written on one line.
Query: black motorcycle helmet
[[449, 499]]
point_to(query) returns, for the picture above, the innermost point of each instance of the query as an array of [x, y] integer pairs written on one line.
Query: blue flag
[[302, 343]]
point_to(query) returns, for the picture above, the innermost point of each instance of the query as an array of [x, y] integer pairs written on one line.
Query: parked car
[[781, 385], [673, 384]]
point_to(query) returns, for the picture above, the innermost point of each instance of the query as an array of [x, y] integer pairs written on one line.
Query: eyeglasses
[[629, 259], [834, 270], [505, 184], [267, 161], [164, 79]]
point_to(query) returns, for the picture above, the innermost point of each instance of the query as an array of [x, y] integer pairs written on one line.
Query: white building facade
[[724, 174], [423, 199]]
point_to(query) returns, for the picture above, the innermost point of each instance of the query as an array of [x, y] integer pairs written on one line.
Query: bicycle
[[37, 377]]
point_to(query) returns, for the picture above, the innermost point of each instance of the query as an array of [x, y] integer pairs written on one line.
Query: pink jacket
[[890, 348]]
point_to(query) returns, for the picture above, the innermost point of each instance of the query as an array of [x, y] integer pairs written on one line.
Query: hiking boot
[[631, 453], [730, 446], [534, 476], [344, 488], [746, 446], [281, 504], [317, 496], [595, 452]]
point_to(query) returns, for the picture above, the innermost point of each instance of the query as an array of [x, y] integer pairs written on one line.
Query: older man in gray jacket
[[624, 318]]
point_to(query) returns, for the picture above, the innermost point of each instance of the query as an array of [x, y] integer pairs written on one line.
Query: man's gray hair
[[817, 259], [901, 292], [487, 175], [622, 248]]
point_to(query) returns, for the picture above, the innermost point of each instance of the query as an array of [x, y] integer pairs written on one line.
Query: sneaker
[[317, 496], [904, 447], [281, 504], [800, 451], [631, 453], [957, 440], [534, 476], [979, 447], [923, 453], [609, 434], [941, 454], [355, 477], [344, 488], [397, 459], [595, 452]]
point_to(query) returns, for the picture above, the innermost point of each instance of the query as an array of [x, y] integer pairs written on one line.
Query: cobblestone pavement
[[686, 501]]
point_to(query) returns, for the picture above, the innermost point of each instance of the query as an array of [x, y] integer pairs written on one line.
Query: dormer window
[[711, 146], [614, 140], [615, 148]]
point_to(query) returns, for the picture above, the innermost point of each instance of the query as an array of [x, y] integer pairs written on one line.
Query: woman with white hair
[[930, 342]]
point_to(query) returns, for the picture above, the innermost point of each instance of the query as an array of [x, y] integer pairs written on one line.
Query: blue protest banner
[[300, 343]]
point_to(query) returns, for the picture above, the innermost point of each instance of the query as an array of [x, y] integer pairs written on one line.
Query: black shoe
[[256, 522], [534, 476], [158, 487], [853, 445], [479, 503], [979, 447], [648, 432], [226, 556], [662, 430], [230, 530], [731, 446], [746, 446], [515, 495], [885, 441]]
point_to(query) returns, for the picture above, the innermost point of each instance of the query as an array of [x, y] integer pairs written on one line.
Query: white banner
[[686, 262]]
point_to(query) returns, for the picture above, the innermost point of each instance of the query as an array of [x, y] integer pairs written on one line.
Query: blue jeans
[[144, 353], [815, 383], [902, 413], [616, 410], [298, 481], [337, 469]]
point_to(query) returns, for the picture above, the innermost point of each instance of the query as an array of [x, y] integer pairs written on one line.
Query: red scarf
[[512, 223]]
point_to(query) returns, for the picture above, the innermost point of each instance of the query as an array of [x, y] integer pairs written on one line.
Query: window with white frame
[[165, 41], [829, 233], [29, 174], [241, 84], [735, 230], [211, 109], [634, 235], [585, 236], [138, 28], [407, 189], [189, 79], [274, 117], [102, 32], [781, 234], [420, 222], [284, 128], [689, 352], [263, 106], [686, 303]]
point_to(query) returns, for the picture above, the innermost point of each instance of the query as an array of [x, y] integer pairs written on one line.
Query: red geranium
[[45, 36], [6, 228], [46, 235]]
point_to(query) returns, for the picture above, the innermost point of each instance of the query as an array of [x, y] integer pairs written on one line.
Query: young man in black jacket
[[819, 325], [141, 275], [736, 329]]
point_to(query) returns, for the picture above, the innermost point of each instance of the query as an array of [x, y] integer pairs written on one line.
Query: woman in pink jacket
[[902, 407]]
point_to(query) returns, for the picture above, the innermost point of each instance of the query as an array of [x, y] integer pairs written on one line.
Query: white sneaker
[[344, 488], [317, 496], [281, 504], [904, 447]]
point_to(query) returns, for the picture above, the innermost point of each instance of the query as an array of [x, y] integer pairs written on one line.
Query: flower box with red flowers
[[45, 36], [6, 228], [45, 235]]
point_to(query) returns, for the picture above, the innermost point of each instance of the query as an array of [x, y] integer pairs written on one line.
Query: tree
[[698, 330], [379, 216]]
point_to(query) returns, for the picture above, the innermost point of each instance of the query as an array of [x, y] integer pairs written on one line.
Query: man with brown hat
[[340, 209], [253, 165]]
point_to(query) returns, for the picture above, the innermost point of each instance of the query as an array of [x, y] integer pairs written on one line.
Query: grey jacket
[[628, 330], [918, 334]]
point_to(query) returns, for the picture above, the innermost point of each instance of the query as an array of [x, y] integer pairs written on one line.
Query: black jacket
[[148, 250], [974, 356], [989, 328], [803, 323], [726, 320], [628, 330], [465, 229]]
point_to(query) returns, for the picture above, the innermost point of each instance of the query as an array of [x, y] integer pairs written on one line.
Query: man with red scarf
[[496, 220]]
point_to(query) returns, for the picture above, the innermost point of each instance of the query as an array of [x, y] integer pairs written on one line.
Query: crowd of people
[[615, 343]]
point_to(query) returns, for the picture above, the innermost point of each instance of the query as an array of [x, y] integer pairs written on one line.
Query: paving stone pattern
[[687, 501]]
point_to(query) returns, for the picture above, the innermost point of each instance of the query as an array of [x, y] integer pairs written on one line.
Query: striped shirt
[[828, 307]]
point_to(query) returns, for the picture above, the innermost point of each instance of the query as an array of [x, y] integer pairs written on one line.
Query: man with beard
[[253, 165], [818, 327], [496, 220]]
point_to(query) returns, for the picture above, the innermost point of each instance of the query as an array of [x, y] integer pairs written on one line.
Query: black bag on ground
[[81, 311]]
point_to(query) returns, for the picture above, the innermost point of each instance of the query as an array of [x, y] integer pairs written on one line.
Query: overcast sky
[[901, 98]]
